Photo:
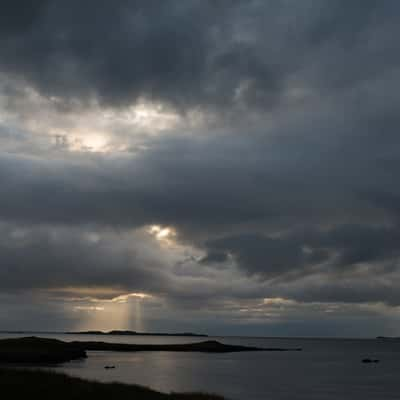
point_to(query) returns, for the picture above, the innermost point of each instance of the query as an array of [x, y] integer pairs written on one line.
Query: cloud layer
[[221, 165]]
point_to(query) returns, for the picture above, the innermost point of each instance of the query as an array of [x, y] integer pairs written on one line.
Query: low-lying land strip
[[49, 351]]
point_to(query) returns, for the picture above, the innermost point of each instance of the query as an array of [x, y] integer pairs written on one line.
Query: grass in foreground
[[43, 385]]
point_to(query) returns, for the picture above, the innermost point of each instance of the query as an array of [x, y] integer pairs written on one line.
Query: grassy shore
[[21, 384]]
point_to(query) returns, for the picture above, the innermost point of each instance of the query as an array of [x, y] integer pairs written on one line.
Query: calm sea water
[[325, 369]]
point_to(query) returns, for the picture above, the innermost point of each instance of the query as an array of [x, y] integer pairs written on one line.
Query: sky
[[216, 166]]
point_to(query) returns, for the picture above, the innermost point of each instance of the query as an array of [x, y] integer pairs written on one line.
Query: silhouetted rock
[[369, 360], [387, 338]]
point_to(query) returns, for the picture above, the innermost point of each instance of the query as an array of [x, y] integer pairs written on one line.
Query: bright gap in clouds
[[91, 128], [91, 142], [98, 130], [162, 233]]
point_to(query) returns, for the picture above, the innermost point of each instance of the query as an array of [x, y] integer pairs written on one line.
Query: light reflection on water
[[326, 369]]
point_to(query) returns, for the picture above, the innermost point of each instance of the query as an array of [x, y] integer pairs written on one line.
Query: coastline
[[38, 350]]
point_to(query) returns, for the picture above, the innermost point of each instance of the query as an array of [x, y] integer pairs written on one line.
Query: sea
[[325, 369]]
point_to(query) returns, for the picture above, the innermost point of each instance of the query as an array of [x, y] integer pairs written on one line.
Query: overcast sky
[[227, 167]]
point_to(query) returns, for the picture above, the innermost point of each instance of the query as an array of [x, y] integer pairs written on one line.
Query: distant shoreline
[[190, 334], [111, 333], [134, 333]]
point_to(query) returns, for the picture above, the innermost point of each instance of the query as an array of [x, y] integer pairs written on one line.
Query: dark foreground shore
[[19, 384], [33, 350]]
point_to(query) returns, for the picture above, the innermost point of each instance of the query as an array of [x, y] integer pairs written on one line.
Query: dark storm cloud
[[207, 187], [200, 53], [19, 16], [55, 259], [265, 256], [117, 52], [351, 291], [343, 249]]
